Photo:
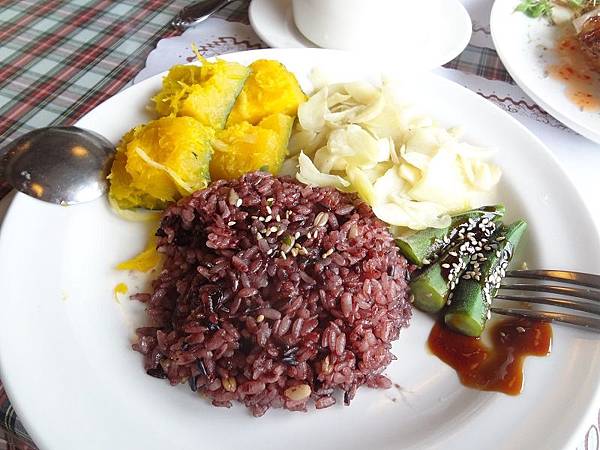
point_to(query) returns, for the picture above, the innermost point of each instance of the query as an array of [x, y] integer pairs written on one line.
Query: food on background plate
[[273, 293], [589, 39], [366, 139], [559, 11], [577, 49]]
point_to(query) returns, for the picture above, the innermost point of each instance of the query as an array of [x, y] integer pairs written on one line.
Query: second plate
[[523, 46]]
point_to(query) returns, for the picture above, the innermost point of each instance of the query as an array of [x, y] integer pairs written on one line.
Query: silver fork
[[198, 12], [564, 289]]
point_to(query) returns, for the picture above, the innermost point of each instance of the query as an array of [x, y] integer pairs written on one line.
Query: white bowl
[[443, 37], [358, 24]]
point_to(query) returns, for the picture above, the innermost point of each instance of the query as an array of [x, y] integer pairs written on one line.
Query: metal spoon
[[62, 165], [198, 12]]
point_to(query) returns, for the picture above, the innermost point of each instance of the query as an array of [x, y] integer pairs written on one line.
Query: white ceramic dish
[[359, 25], [450, 32], [521, 42], [65, 343]]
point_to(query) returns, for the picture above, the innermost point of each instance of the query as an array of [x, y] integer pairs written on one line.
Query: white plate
[[521, 42], [273, 22], [65, 344]]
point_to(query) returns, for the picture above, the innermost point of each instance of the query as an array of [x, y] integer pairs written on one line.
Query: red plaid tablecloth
[[58, 60]]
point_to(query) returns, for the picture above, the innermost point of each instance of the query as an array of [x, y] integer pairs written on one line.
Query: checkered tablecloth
[[61, 58], [58, 60]]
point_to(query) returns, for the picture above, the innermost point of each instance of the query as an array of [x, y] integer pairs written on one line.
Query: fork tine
[[548, 316], [578, 305], [577, 278], [585, 292]]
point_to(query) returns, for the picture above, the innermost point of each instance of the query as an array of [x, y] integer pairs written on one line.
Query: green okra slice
[[470, 302], [423, 247], [431, 288]]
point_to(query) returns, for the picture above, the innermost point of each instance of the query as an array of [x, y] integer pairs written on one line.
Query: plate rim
[[495, 18], [252, 14], [14, 203]]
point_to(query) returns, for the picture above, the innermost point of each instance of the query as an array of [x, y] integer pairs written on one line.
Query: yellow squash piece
[[243, 147], [147, 260], [270, 89], [161, 161], [206, 92], [122, 191], [120, 289]]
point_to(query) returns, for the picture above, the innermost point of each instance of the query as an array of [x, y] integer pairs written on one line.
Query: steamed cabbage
[[362, 138]]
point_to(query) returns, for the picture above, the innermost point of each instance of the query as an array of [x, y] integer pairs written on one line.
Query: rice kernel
[[297, 393]]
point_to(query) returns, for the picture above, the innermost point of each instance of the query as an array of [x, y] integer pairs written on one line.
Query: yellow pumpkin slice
[[243, 147], [270, 89], [161, 161], [206, 93], [123, 193], [144, 261]]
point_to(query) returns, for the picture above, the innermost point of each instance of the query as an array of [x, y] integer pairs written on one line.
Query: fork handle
[[589, 323], [198, 12], [579, 278]]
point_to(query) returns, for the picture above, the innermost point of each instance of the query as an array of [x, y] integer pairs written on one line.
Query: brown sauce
[[499, 367], [583, 84]]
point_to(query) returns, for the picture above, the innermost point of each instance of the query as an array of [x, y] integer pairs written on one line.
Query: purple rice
[[277, 312]]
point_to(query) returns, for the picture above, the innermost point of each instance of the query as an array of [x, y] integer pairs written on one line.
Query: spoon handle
[[198, 12]]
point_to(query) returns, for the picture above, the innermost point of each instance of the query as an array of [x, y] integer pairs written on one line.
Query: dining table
[[59, 59]]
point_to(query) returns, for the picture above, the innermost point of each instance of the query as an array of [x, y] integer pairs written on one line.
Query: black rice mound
[[274, 293]]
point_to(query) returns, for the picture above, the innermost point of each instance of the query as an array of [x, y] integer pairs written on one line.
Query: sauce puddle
[[582, 83], [499, 367]]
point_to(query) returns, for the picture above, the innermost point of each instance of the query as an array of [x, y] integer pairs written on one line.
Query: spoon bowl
[[62, 165]]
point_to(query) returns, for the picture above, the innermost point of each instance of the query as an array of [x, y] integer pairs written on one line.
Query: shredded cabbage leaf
[[309, 174], [371, 140]]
